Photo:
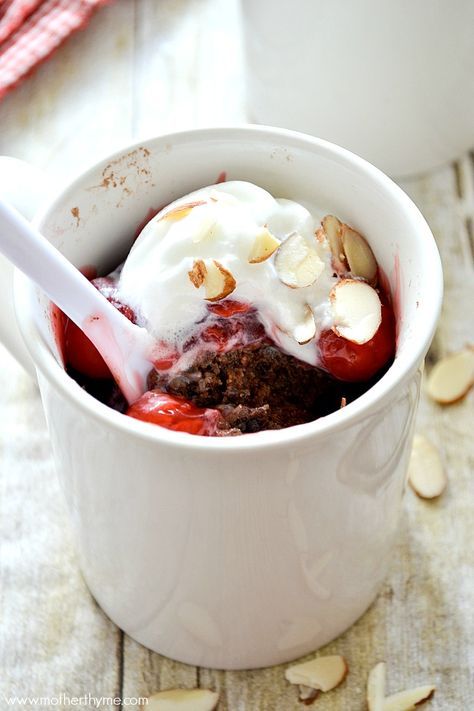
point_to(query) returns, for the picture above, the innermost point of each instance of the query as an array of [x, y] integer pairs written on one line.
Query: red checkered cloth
[[31, 30]]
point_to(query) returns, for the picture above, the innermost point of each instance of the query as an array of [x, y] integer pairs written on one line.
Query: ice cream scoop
[[232, 240]]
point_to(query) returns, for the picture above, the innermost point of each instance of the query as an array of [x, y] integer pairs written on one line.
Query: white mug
[[246, 551], [391, 80]]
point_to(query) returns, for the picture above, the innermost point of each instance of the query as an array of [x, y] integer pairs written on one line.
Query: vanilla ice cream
[[232, 240]]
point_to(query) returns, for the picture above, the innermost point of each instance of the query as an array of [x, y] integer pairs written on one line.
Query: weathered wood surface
[[145, 67]]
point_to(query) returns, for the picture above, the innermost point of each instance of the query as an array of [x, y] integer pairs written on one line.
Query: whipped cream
[[222, 224]]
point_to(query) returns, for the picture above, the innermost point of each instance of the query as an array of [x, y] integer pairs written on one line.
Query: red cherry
[[108, 288], [229, 308], [174, 413], [353, 362], [105, 285], [81, 353], [149, 216], [166, 363], [217, 334], [164, 356]]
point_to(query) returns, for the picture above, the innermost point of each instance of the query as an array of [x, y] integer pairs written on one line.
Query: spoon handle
[[123, 345]]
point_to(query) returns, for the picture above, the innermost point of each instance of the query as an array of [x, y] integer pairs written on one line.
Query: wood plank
[[445, 197], [53, 637]]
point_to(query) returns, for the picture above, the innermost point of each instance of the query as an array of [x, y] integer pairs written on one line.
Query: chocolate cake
[[256, 387]]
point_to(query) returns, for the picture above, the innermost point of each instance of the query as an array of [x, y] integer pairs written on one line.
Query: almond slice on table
[[333, 230], [408, 699], [356, 309], [264, 246], [306, 694], [181, 211], [452, 377], [322, 673], [359, 255], [425, 470], [306, 330], [216, 279], [296, 263], [402, 701], [376, 687], [183, 700]]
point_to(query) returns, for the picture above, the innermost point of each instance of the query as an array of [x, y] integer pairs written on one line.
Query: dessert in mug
[[263, 316]]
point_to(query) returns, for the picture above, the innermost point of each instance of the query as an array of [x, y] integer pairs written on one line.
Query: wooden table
[[141, 68]]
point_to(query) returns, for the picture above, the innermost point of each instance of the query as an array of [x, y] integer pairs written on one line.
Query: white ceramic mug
[[391, 80], [246, 551]]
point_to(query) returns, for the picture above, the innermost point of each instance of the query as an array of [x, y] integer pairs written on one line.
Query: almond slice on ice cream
[[356, 309], [198, 273], [452, 377], [323, 673], [264, 246], [408, 699], [376, 687], [183, 700], [425, 470], [181, 211], [333, 230], [218, 281], [306, 330], [359, 255], [296, 263], [204, 228]]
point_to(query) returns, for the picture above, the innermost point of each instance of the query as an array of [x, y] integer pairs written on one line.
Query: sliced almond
[[222, 197], [296, 263], [183, 700], [343, 402], [204, 229], [333, 230], [323, 673], [408, 699], [360, 258], [264, 246], [321, 236], [218, 281], [376, 687], [180, 211], [198, 273], [425, 471], [307, 695], [452, 377], [306, 330], [356, 309]]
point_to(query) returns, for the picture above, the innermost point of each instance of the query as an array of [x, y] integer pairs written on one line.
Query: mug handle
[[26, 188]]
